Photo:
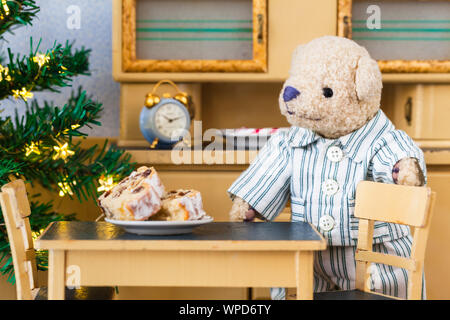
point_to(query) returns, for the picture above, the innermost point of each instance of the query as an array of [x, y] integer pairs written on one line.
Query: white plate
[[249, 138], [159, 227]]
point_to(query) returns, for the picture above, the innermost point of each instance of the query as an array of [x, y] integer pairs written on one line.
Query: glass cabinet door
[[194, 35], [403, 35]]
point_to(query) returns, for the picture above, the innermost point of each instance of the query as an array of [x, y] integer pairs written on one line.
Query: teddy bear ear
[[368, 79], [295, 62]]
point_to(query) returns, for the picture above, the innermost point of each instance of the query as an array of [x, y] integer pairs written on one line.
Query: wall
[[95, 33]]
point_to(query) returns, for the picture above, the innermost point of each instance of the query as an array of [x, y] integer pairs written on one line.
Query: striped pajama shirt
[[320, 176]]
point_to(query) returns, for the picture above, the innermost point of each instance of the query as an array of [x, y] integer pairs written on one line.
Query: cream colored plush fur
[[410, 173], [239, 209], [353, 76]]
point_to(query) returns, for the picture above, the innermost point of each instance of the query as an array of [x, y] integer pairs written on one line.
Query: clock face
[[171, 120]]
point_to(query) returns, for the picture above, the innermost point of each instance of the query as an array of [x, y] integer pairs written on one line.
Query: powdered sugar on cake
[[136, 197], [181, 205]]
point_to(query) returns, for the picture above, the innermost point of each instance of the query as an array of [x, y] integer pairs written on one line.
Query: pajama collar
[[355, 144]]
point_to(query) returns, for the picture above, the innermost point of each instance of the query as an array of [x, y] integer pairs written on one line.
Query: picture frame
[[130, 62], [344, 29]]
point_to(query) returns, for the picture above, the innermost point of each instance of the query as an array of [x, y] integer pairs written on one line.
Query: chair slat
[[376, 257], [392, 203]]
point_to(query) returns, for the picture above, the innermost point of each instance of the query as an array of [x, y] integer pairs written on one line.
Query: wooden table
[[219, 254]]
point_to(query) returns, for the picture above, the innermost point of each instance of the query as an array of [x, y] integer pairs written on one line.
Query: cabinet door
[[422, 111], [194, 36], [404, 36], [212, 185]]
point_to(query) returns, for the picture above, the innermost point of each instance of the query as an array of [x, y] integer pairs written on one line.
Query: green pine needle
[[59, 65], [20, 13]]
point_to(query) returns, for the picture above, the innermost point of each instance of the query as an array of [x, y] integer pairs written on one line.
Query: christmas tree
[[39, 147]]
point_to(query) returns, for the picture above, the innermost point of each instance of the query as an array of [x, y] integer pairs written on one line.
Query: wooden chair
[[412, 206], [16, 209]]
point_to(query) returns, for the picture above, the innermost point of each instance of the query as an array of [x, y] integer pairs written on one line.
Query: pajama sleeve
[[265, 184], [391, 148]]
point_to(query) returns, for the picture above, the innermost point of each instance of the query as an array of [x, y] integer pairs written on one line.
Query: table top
[[259, 236]]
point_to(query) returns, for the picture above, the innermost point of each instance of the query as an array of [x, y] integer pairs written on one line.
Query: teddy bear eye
[[290, 93], [327, 92]]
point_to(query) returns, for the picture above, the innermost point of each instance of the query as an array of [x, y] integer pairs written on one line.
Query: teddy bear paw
[[239, 210], [408, 172]]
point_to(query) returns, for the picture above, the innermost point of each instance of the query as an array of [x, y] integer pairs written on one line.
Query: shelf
[[435, 152], [234, 159], [416, 77], [192, 158], [436, 145], [434, 156], [437, 157], [266, 77]]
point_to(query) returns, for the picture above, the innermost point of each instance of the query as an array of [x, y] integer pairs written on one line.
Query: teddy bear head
[[334, 87]]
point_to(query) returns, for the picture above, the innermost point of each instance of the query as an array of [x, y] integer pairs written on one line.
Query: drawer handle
[[347, 27], [260, 28], [408, 111]]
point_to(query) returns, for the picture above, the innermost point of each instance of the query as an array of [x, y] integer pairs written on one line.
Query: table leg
[[56, 274], [305, 274]]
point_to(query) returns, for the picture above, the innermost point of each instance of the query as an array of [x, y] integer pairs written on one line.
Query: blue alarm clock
[[165, 121]]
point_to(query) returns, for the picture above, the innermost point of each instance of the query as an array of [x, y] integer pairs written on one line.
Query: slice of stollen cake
[[181, 205], [137, 197]]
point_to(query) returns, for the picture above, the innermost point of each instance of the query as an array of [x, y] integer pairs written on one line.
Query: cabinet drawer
[[422, 111]]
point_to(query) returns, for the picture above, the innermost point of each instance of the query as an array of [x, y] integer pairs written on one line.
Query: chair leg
[[415, 285]]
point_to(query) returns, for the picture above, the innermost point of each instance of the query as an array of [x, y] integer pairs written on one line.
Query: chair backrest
[[412, 206], [16, 209]]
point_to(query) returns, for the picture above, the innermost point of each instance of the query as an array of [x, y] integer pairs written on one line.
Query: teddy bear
[[338, 137]]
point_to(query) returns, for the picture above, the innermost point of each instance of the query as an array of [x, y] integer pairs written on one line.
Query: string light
[[106, 183], [62, 152], [36, 234], [5, 8], [73, 127], [41, 59], [4, 72], [32, 148], [24, 93], [65, 188], [64, 69]]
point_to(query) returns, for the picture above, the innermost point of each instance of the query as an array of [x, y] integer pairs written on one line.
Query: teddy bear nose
[[290, 93]]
